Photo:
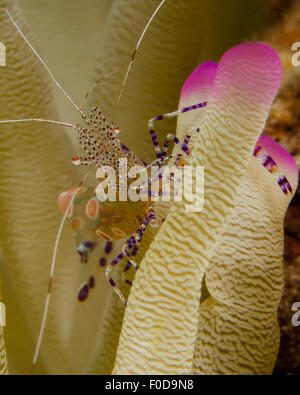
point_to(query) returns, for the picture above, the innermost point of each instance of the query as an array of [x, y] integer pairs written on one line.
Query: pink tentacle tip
[[283, 159], [261, 53], [200, 80], [248, 68]]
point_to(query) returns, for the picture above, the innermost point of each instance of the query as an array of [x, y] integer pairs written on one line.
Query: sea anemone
[[166, 329]]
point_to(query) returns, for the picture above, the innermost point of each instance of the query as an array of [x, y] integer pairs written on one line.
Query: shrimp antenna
[[52, 267], [96, 83], [137, 47], [45, 66], [59, 123]]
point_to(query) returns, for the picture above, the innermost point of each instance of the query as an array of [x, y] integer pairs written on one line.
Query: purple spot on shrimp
[[127, 251], [83, 256], [282, 186], [124, 148], [186, 140], [117, 259], [89, 245], [269, 162], [127, 267], [112, 283], [92, 282], [184, 148], [83, 293], [200, 105], [102, 261], [108, 247], [134, 251], [256, 150], [287, 184]]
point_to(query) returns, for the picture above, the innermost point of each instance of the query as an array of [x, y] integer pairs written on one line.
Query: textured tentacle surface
[[3, 360], [238, 327], [160, 324]]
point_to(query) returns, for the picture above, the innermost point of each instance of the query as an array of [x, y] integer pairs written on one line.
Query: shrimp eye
[[76, 161]]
